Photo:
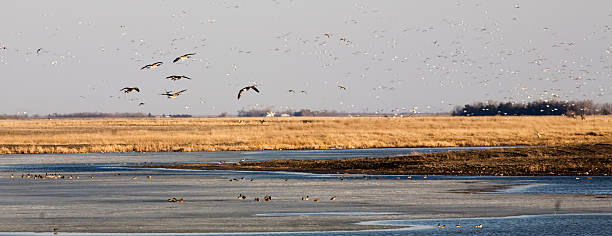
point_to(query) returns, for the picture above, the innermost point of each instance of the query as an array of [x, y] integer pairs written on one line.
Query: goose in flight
[[247, 89], [151, 66], [291, 91], [129, 90], [183, 57], [177, 77], [170, 94]]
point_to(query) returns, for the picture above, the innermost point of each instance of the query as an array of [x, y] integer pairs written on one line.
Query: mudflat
[[577, 159], [121, 203]]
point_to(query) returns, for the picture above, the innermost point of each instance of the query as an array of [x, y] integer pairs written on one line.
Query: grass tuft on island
[[579, 159]]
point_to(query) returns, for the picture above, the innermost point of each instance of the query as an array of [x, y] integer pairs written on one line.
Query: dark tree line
[[537, 108]]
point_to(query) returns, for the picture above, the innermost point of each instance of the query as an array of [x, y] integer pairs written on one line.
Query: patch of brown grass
[[575, 159], [214, 134]]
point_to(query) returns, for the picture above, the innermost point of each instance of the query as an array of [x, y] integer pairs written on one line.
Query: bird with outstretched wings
[[247, 88], [130, 89], [177, 77], [183, 57], [152, 66], [170, 94]]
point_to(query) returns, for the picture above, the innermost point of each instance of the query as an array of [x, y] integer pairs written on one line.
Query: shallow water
[[211, 186], [110, 163], [561, 224], [227, 156]]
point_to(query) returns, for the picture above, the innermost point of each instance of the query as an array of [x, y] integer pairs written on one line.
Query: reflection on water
[[563, 224], [563, 184], [353, 213]]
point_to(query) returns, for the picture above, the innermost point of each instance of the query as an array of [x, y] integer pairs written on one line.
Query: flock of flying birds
[[452, 56], [172, 94]]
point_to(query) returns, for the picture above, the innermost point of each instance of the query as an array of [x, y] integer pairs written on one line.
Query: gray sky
[[424, 56]]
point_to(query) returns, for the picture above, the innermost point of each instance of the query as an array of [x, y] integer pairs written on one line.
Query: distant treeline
[[537, 108], [303, 112]]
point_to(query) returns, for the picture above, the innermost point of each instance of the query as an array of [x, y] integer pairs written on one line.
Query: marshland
[[364, 117], [30, 136]]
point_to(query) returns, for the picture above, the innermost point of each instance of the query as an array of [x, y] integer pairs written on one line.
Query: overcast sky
[[423, 56]]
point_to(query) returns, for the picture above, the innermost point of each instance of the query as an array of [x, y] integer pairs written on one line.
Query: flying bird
[[129, 90], [183, 57], [341, 87], [247, 89], [177, 77], [291, 91], [141, 104], [327, 35], [151, 66], [170, 94]]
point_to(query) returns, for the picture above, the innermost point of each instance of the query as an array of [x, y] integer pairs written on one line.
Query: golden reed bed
[[214, 134]]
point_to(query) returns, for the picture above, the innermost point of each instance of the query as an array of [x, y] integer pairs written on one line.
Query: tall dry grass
[[212, 134]]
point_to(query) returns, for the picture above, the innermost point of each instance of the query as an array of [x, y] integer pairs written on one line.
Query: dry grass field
[[213, 134]]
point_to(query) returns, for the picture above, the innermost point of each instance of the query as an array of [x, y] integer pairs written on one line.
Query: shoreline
[[272, 150], [566, 160], [375, 226]]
